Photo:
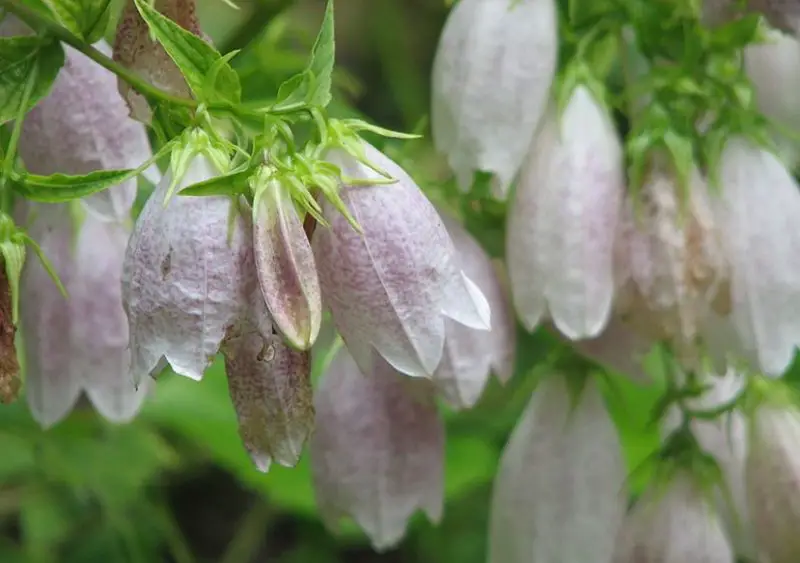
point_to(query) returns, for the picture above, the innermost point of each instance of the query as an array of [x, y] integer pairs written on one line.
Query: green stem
[[39, 22]]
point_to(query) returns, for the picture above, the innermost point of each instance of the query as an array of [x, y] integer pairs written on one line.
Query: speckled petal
[[470, 355], [559, 494], [578, 214], [83, 126], [184, 280], [491, 78], [270, 387], [51, 387], [387, 287], [286, 269], [673, 526], [377, 451], [757, 211], [99, 327]]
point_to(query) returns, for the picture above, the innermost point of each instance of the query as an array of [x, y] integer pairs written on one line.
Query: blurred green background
[[176, 485]]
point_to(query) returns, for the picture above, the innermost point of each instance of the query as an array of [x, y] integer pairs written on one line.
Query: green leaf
[[195, 58], [19, 57], [322, 60], [88, 19], [228, 184], [59, 188]]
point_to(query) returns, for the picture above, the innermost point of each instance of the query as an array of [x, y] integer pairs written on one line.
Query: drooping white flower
[[559, 494], [377, 451], [392, 287], [79, 342], [774, 69], [673, 524], [491, 78], [757, 211], [469, 354], [83, 126], [562, 224], [185, 279], [772, 480]]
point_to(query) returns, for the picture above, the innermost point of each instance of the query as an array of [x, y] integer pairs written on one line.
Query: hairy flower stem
[[9, 364]]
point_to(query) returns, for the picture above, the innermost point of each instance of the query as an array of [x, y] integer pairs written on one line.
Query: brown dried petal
[[377, 451], [270, 386], [9, 364]]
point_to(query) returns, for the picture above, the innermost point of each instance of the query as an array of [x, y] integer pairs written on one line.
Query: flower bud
[[78, 342], [673, 525], [772, 480], [391, 287], [562, 225], [270, 387], [558, 495], [491, 77], [83, 126], [470, 354], [756, 213], [188, 275], [285, 266], [138, 51], [377, 451]]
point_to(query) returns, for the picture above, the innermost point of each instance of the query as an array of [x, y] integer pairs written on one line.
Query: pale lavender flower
[[673, 523], [757, 211], [377, 451], [559, 494], [772, 479], [187, 277], [619, 348], [562, 224], [80, 342], [469, 354], [392, 287], [83, 126], [491, 78]]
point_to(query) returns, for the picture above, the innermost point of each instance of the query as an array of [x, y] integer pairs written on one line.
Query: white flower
[[559, 494], [562, 224], [491, 79]]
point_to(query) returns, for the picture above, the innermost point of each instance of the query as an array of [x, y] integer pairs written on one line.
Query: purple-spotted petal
[[286, 269], [185, 280], [377, 451]]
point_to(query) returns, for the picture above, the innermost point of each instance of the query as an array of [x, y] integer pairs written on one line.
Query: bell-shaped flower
[[671, 263], [562, 224], [774, 69], [772, 480], [377, 451], [285, 266], [270, 387], [136, 49], [491, 79], [188, 273], [673, 523], [470, 355], [757, 211], [78, 342], [391, 286], [559, 494], [724, 438], [83, 126]]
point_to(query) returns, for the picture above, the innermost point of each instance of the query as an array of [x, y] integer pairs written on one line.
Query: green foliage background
[[176, 485]]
